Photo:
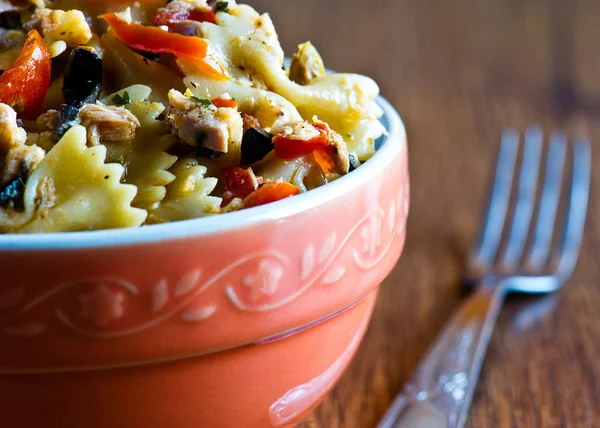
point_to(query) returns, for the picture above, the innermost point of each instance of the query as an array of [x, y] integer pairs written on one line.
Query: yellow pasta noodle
[[249, 41], [188, 195], [147, 169], [161, 111], [86, 196]]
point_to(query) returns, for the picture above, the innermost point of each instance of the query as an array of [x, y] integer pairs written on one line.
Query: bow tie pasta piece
[[147, 169], [188, 195], [248, 44], [87, 192], [151, 157]]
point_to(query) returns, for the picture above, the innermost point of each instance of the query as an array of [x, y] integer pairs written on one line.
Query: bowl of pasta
[[192, 229]]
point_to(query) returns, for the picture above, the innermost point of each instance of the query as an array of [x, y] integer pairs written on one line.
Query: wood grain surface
[[459, 72]]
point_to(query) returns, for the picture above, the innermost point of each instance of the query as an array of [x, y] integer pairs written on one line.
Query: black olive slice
[[83, 77], [67, 117], [256, 144], [10, 20], [82, 84], [12, 194], [353, 163]]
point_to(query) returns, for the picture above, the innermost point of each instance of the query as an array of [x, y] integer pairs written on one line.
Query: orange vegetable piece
[[223, 102], [325, 160], [271, 191]]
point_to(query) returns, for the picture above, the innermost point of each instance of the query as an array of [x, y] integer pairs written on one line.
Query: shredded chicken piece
[[68, 26], [250, 122], [108, 123], [11, 135], [48, 121], [194, 123], [16, 159], [19, 162]]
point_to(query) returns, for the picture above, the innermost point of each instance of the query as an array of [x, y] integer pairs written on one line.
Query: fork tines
[[548, 247]]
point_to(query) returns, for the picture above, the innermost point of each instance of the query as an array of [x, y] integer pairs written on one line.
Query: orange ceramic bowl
[[241, 320]]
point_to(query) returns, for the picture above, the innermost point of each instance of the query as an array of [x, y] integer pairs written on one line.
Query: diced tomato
[[203, 16], [271, 191], [289, 148], [324, 158], [239, 182], [24, 85], [225, 102], [167, 17], [153, 39]]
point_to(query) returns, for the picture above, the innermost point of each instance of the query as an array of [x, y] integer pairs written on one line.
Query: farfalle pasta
[[165, 111]]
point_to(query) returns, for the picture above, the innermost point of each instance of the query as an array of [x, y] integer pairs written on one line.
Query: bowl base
[[271, 385]]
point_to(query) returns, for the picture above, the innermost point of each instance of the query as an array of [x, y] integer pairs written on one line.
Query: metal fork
[[440, 392]]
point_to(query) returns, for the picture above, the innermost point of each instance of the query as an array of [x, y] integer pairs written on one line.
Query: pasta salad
[[115, 115]]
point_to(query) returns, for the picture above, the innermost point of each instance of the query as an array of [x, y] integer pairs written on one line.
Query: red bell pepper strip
[[24, 85], [224, 102], [167, 17], [271, 191], [289, 148], [153, 39]]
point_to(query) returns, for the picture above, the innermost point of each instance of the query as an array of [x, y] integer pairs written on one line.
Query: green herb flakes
[[222, 6], [121, 100], [203, 101]]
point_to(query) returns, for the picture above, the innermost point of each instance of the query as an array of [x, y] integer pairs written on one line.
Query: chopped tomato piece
[[324, 158], [271, 191], [224, 102], [153, 39], [239, 182], [289, 148], [24, 85], [203, 16], [168, 17]]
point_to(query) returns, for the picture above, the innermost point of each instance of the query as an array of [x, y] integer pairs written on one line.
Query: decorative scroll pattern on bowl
[[100, 306]]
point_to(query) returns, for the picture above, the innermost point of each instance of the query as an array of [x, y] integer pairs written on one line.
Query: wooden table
[[459, 72]]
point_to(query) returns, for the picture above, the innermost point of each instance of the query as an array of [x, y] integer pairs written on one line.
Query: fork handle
[[440, 392]]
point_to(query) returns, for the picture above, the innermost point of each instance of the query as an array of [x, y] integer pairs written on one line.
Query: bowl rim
[[392, 143]]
